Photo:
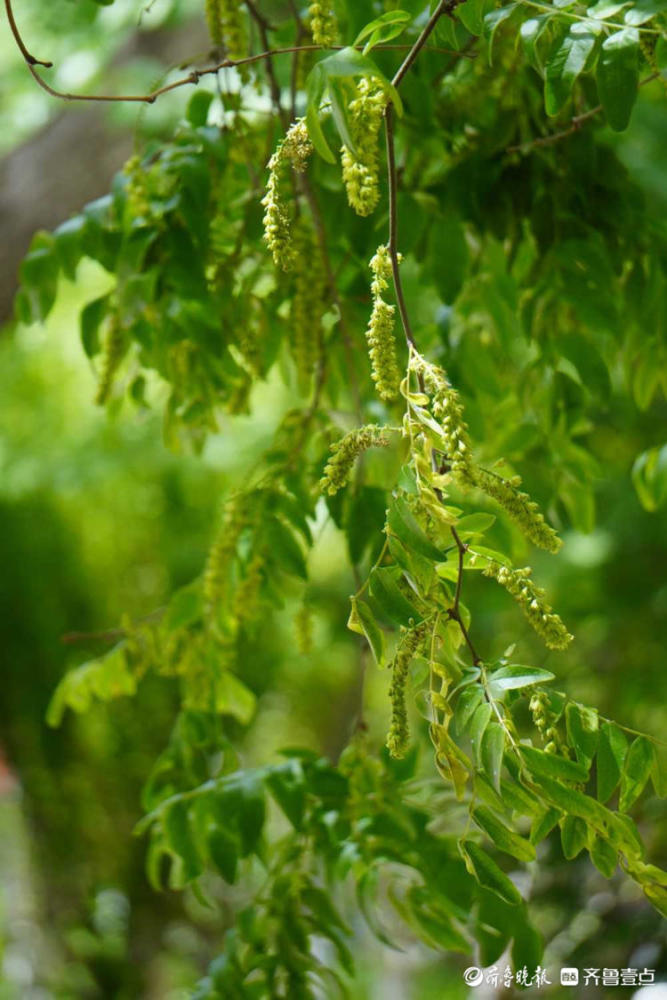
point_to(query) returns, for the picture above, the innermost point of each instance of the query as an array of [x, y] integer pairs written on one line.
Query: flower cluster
[[223, 551], [323, 24], [399, 734], [520, 507], [546, 724], [345, 452], [137, 194], [113, 348], [380, 333], [308, 300], [247, 596], [447, 408], [224, 19], [361, 167], [531, 600], [293, 150]]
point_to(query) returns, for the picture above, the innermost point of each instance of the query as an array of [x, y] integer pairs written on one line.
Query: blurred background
[[98, 517]]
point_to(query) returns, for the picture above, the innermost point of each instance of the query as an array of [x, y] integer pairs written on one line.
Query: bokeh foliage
[[534, 275]]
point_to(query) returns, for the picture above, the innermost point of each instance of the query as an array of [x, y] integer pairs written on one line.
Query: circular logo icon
[[473, 976]]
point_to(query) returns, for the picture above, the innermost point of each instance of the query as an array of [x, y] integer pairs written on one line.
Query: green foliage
[[529, 280]]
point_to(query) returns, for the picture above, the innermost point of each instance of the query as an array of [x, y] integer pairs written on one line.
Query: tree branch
[[30, 59], [574, 126], [192, 79]]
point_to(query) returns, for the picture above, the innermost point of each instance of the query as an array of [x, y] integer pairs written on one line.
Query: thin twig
[[462, 549], [192, 79], [263, 28], [421, 41], [392, 246], [444, 7], [574, 126], [110, 634], [29, 58]]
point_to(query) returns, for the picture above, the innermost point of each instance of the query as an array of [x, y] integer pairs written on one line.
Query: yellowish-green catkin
[[361, 169], [308, 300], [345, 452], [380, 332], [224, 19], [137, 196], [223, 551], [294, 149], [546, 724], [113, 349], [447, 408], [524, 511], [248, 593], [213, 20], [398, 737], [531, 599], [323, 24]]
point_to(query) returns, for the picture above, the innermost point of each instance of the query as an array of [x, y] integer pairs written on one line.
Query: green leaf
[[515, 677], [659, 770], [467, 703], [384, 589], [493, 748], [362, 621], [487, 872], [448, 256], [197, 109], [643, 10], [180, 839], [527, 946], [383, 28], [492, 22], [285, 549], [573, 836], [474, 524], [552, 766], [185, 607], [636, 771], [364, 520], [38, 273], [531, 32], [477, 728], [472, 14], [402, 523], [315, 87], [566, 63], [573, 802], [618, 75], [649, 476], [287, 786], [611, 754], [349, 62], [544, 824], [505, 839], [518, 799], [657, 895], [252, 810], [586, 359], [582, 732], [232, 697], [222, 849], [603, 856]]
